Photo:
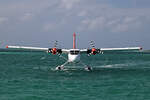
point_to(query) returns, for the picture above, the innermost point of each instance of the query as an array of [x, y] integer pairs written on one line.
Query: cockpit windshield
[[74, 52]]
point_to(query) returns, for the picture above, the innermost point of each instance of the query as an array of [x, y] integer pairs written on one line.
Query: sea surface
[[115, 76]]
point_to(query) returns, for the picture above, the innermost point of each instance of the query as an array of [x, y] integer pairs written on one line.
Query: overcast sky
[[110, 23]]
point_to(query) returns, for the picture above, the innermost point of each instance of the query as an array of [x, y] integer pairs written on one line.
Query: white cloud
[[127, 24], [3, 19], [26, 17], [130, 19], [116, 19], [21, 7], [120, 28], [98, 22], [89, 14], [69, 4], [119, 24], [49, 27], [82, 13], [55, 16], [113, 22]]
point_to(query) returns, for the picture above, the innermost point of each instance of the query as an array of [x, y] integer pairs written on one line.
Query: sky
[[109, 23]]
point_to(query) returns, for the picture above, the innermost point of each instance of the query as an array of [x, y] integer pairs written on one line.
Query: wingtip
[[6, 46]]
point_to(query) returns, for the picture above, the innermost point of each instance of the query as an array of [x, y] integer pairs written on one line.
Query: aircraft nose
[[73, 58]]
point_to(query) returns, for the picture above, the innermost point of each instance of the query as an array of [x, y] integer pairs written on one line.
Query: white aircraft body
[[74, 54]]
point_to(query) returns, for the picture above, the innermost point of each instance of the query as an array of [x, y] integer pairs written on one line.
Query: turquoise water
[[31, 76]]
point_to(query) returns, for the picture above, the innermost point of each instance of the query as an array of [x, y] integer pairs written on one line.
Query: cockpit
[[74, 52]]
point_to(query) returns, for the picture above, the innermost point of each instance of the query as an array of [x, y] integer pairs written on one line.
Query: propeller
[[55, 44], [54, 50], [93, 51], [92, 44]]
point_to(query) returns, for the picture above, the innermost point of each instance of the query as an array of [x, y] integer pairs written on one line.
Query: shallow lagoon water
[[31, 76]]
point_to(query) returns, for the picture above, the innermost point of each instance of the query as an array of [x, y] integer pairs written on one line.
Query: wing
[[50, 50], [65, 50], [100, 50], [27, 48], [121, 49]]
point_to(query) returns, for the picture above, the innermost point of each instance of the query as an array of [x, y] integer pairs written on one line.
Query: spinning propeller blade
[[92, 44]]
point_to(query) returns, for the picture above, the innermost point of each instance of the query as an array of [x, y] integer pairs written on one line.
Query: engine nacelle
[[59, 51], [93, 51], [55, 51]]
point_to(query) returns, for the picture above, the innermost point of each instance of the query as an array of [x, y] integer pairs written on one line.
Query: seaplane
[[74, 54]]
